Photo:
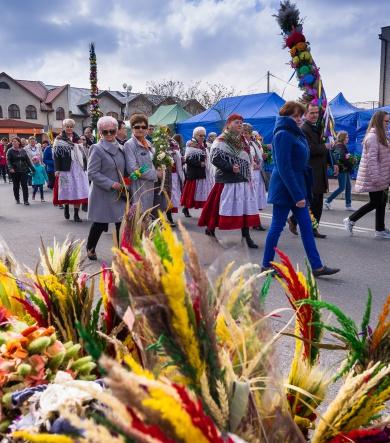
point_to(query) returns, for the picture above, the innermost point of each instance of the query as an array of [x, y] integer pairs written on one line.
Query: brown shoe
[[292, 226], [317, 234]]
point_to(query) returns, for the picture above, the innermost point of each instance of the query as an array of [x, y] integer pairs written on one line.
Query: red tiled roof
[[10, 123], [54, 93], [36, 88]]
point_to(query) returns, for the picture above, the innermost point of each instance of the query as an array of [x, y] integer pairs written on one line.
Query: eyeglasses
[[201, 135], [386, 121], [109, 131], [140, 127]]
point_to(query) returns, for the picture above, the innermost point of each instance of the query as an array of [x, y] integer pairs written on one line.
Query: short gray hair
[[107, 119], [68, 121], [247, 127], [197, 130]]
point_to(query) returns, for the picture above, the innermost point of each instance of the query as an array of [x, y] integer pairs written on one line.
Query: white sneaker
[[327, 205], [382, 234], [348, 224], [350, 208]]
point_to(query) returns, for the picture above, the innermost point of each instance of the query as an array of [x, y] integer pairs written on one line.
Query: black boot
[[76, 217], [170, 219], [66, 212], [186, 213], [245, 234], [210, 232]]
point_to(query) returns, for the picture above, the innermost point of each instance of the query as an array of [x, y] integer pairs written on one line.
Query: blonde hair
[[342, 136], [68, 121], [376, 123]]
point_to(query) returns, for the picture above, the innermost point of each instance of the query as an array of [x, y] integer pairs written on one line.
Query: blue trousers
[[344, 179], [279, 218]]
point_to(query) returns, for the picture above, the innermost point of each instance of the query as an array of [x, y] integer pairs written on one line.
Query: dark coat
[[291, 176], [194, 168], [319, 158], [48, 158], [19, 161], [340, 152], [63, 157]]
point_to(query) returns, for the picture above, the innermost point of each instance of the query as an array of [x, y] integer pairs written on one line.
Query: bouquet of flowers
[[267, 154], [160, 139]]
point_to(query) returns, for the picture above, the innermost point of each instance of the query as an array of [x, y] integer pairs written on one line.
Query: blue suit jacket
[[291, 179]]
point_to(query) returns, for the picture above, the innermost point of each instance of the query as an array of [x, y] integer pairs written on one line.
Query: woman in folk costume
[[232, 202], [199, 180], [177, 179], [256, 153], [71, 185]]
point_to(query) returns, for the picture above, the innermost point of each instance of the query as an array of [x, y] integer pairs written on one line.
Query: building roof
[[11, 123]]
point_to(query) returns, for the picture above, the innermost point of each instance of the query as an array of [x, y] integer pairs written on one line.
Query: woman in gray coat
[[106, 168], [139, 159]]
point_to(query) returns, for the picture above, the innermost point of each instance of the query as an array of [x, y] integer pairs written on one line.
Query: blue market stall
[[260, 110]]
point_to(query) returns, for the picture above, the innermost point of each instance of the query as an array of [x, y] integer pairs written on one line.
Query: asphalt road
[[363, 259]]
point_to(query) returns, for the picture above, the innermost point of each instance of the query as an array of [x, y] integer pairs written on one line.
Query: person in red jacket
[[3, 162]]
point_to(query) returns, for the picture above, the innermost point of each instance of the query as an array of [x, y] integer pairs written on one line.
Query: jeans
[[96, 231], [378, 202], [20, 179], [344, 179], [35, 190], [279, 218]]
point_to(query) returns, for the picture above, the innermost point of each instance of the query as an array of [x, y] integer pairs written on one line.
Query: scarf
[[229, 147]]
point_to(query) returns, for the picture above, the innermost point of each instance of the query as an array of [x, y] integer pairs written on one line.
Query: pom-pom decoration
[[309, 78]]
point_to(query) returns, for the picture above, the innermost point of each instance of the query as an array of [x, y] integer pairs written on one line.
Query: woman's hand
[[117, 186], [300, 204], [202, 164], [12, 171], [236, 168], [57, 173]]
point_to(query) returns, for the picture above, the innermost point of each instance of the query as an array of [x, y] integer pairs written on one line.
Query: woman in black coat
[[19, 165]]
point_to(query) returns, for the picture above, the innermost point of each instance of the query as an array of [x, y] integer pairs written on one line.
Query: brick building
[[31, 107]]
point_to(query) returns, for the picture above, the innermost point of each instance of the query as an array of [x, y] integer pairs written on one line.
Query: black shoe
[[250, 243], [172, 224], [17, 202], [66, 212], [26, 203], [292, 226], [61, 207], [210, 232], [259, 228], [76, 217], [325, 271], [317, 234], [186, 212], [91, 255]]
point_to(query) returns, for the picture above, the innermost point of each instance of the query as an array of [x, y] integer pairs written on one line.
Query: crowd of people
[[223, 175]]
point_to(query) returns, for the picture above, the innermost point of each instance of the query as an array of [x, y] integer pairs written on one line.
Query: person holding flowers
[[139, 154], [345, 162], [199, 179], [106, 170], [231, 203]]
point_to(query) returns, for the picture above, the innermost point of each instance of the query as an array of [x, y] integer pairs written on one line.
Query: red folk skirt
[[233, 209], [188, 196]]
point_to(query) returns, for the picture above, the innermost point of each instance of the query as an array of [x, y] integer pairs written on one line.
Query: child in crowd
[[39, 177]]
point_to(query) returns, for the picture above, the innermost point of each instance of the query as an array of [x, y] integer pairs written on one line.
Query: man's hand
[[300, 204]]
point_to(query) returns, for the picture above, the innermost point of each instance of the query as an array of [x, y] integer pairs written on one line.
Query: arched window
[[60, 114], [1, 112], [31, 112], [4, 85], [13, 111], [113, 114]]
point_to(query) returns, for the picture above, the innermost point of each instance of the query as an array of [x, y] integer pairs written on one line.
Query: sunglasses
[[109, 131], [140, 127]]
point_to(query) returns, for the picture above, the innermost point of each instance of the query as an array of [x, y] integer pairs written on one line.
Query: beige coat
[[374, 168]]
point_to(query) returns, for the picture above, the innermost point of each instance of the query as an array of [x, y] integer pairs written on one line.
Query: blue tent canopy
[[260, 110]]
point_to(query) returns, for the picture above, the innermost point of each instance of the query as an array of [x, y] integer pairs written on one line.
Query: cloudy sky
[[229, 41]]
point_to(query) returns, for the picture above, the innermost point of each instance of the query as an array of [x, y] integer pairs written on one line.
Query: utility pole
[[268, 77]]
